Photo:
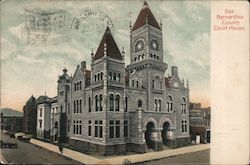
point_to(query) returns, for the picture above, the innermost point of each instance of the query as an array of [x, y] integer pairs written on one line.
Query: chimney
[[174, 71], [83, 65]]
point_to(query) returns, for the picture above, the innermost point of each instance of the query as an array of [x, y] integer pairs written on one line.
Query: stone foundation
[[91, 148], [180, 142], [121, 149], [138, 148], [171, 143]]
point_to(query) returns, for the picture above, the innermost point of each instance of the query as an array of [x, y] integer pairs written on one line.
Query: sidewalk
[[87, 159]]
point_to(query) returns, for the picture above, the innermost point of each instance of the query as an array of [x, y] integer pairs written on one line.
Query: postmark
[[91, 21], [39, 24]]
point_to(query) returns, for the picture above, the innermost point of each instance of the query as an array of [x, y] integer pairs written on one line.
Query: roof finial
[[161, 23], [145, 3], [105, 49], [130, 25], [92, 55]]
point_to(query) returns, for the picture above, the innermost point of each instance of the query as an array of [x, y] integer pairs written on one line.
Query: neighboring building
[[55, 121], [114, 109], [63, 101], [43, 117], [30, 116], [12, 124], [199, 123]]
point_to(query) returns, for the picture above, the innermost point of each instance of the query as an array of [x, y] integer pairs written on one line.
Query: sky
[[32, 60]]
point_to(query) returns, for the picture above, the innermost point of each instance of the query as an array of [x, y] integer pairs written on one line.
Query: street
[[27, 153], [201, 157], [30, 154]]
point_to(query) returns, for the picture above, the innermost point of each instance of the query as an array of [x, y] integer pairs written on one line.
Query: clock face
[[154, 45], [139, 46]]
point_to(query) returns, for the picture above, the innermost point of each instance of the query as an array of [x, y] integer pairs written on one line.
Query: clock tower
[[146, 37], [146, 57]]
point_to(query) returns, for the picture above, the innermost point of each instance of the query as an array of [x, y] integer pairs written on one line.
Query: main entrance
[[148, 135], [164, 133]]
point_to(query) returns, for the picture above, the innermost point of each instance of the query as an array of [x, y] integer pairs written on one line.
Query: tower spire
[[145, 16]]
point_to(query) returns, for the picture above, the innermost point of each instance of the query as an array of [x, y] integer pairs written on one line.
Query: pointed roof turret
[[145, 16], [111, 48]]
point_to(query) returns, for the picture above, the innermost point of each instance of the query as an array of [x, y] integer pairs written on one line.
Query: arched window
[[126, 104], [98, 76], [139, 103], [74, 106], [139, 57], [153, 83], [155, 105], [157, 83], [110, 75], [170, 103], [95, 77], [89, 104], [159, 104], [111, 102], [118, 77], [137, 84], [114, 77], [151, 55], [77, 106], [183, 105], [142, 56], [101, 76], [117, 103], [77, 86], [100, 102], [135, 59], [96, 103], [133, 83], [157, 57], [154, 56], [80, 106]]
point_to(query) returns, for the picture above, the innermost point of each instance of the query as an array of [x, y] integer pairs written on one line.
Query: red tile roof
[[143, 16], [112, 49]]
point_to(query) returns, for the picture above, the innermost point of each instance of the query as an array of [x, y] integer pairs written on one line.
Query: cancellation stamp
[[91, 21], [39, 24]]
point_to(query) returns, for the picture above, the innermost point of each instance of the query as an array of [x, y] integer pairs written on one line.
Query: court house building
[[113, 108]]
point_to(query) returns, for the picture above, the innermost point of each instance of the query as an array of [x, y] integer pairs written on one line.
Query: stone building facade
[[113, 108], [43, 118]]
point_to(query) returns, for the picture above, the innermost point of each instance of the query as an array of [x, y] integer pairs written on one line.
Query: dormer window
[[183, 106], [169, 103]]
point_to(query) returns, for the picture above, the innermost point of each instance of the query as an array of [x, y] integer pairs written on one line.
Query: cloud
[[32, 69]]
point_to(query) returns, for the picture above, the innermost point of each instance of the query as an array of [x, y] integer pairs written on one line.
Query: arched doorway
[[148, 134], [139, 103], [164, 133]]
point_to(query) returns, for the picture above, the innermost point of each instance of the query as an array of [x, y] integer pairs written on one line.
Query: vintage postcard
[[124, 82]]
